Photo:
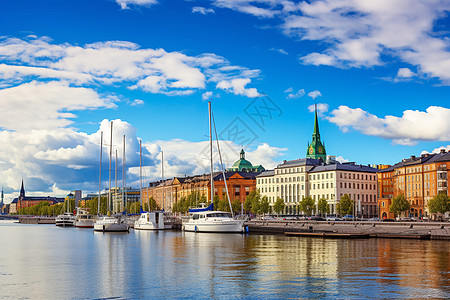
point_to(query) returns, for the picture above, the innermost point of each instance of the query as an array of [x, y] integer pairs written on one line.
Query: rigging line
[[221, 165]]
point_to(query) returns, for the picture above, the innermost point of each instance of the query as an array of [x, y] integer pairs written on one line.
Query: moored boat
[[111, 224], [213, 221], [83, 219], [65, 220]]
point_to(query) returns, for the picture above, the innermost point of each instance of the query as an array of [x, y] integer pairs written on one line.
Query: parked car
[[388, 220], [332, 218], [348, 218], [316, 218], [374, 220]]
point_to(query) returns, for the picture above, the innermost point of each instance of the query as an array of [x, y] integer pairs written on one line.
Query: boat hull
[[111, 224], [84, 224], [151, 221], [222, 227]]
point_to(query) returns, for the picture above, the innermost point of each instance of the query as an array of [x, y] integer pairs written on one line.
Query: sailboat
[[109, 223], [150, 220], [66, 219], [206, 219]]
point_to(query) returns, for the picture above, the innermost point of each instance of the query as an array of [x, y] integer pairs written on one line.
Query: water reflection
[[40, 261]]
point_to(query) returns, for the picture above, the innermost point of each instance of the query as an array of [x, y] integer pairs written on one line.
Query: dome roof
[[242, 163]]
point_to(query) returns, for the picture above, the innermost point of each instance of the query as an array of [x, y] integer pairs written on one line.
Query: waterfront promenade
[[407, 230]]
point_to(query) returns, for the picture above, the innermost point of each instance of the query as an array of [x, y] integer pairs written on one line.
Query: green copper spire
[[316, 149]]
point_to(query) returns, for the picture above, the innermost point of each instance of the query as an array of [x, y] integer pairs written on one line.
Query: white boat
[[111, 224], [65, 220], [83, 219], [153, 220], [213, 221], [206, 219]]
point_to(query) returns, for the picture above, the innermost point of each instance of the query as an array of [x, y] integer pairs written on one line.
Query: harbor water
[[48, 262]]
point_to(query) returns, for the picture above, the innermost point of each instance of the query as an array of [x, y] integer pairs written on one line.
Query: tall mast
[[110, 158], [210, 153], [100, 173], [164, 183], [140, 171], [115, 188], [123, 175]]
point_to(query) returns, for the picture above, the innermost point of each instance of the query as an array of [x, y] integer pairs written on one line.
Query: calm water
[[47, 262]]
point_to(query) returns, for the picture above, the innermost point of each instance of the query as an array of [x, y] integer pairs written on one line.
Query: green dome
[[244, 165]]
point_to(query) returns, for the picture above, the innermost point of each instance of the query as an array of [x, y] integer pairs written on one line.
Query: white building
[[294, 180]]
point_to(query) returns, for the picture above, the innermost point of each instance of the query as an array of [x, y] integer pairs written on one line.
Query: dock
[[348, 229]]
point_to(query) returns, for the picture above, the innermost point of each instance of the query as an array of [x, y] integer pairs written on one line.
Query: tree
[[153, 204], [439, 204], [236, 204], [399, 205], [307, 205], [264, 206], [322, 206], [252, 202], [279, 205], [346, 205]]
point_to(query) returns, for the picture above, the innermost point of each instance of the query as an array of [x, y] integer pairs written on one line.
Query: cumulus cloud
[[37, 105], [114, 63], [237, 87], [202, 10], [300, 93], [359, 33], [405, 73], [413, 126], [125, 4], [437, 150], [322, 108], [137, 102], [207, 95], [314, 94]]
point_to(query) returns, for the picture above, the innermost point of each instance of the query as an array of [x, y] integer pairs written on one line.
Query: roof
[[266, 173], [423, 159], [344, 167], [245, 175], [299, 162]]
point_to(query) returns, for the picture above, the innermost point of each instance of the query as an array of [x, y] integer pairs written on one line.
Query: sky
[[379, 72]]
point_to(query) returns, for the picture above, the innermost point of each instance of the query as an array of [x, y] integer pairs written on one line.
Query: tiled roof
[[344, 167], [299, 162], [266, 173]]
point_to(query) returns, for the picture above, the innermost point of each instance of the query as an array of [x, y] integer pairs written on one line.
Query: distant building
[[243, 165], [419, 179], [25, 201]]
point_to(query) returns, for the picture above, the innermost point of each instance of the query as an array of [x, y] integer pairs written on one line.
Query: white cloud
[[405, 73], [237, 87], [360, 33], [37, 105], [114, 63], [125, 4], [202, 10], [300, 93], [282, 51], [437, 150], [289, 90], [207, 95], [413, 126], [137, 102], [314, 94], [341, 159], [322, 108]]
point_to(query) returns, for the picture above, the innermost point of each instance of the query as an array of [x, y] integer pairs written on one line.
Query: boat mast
[[164, 183], [110, 158], [100, 173], [223, 169], [123, 175], [140, 172], [115, 188], [211, 154]]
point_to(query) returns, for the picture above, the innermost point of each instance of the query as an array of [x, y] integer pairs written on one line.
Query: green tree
[[323, 207], [236, 204], [153, 205], [399, 205], [439, 204], [307, 205], [346, 205], [252, 202], [279, 205], [264, 207]]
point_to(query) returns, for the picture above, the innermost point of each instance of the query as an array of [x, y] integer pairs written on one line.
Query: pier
[[344, 229]]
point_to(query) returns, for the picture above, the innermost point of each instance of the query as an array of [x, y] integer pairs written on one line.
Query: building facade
[[419, 179]]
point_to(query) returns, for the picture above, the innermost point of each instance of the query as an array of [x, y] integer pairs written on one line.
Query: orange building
[[418, 178]]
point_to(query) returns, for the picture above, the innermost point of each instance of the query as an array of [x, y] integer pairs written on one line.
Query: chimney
[[443, 151], [413, 157]]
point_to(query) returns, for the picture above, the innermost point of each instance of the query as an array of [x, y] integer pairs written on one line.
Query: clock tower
[[316, 149]]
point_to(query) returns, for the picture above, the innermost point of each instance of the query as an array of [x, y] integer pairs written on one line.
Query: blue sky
[[378, 70]]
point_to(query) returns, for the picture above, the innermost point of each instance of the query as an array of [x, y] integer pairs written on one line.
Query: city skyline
[[379, 73]]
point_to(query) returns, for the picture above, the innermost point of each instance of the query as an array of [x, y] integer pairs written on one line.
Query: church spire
[[22, 191], [316, 149]]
